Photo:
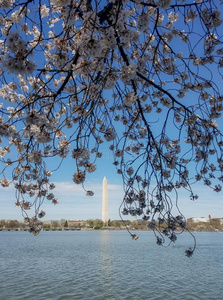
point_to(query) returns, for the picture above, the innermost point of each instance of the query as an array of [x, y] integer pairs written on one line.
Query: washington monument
[[105, 202]]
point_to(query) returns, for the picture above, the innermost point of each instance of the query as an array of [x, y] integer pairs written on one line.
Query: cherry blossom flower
[[164, 3], [55, 201], [44, 11], [79, 177], [6, 4], [4, 182], [90, 193]]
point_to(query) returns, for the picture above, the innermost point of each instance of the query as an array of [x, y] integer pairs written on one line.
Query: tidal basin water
[[101, 265]]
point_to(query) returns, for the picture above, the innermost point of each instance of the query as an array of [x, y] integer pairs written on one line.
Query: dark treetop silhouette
[[143, 76]]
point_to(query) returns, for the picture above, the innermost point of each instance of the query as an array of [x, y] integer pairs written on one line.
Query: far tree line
[[97, 224]]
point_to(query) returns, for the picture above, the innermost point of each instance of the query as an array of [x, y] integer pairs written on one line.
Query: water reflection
[[109, 265], [106, 267]]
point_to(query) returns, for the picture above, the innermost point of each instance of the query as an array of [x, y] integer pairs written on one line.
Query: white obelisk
[[105, 202]]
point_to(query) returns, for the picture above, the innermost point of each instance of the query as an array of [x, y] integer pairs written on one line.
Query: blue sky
[[74, 204]]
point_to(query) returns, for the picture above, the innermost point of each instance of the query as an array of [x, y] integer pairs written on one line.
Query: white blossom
[[164, 3]]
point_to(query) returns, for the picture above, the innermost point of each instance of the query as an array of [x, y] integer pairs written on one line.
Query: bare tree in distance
[[144, 76]]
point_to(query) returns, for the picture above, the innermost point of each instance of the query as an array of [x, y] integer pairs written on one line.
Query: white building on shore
[[201, 219]]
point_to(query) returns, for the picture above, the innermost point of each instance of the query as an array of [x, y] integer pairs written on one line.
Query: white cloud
[[74, 204]]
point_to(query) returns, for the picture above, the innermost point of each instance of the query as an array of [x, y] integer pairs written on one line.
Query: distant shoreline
[[101, 229], [193, 225]]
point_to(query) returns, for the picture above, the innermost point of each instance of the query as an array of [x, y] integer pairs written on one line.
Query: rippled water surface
[[101, 265]]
